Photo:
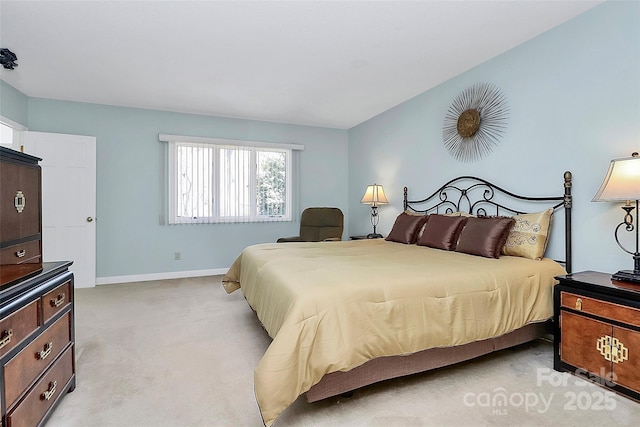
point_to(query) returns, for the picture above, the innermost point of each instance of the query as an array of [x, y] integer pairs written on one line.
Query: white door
[[68, 199]]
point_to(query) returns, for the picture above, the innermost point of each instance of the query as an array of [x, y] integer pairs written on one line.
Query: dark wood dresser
[[598, 330], [36, 302]]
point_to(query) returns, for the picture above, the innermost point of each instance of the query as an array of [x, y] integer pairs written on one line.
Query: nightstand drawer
[[605, 309], [17, 326], [26, 366]]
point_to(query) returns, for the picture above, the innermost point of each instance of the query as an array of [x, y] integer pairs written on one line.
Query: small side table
[[597, 330], [366, 236]]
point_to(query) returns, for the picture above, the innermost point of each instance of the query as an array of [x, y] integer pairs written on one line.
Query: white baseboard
[[160, 276]]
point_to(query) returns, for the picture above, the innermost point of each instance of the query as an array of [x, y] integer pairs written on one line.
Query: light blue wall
[[13, 103], [574, 96], [130, 238]]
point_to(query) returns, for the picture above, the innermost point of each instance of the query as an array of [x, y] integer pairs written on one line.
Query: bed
[[461, 274]]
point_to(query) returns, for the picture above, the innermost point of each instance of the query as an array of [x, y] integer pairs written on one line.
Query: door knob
[[89, 219]]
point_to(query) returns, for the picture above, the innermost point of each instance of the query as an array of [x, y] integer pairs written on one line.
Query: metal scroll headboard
[[480, 197]]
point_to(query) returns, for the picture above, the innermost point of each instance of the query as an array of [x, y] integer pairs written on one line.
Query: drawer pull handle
[[45, 352], [58, 301], [579, 304], [47, 395], [19, 201], [21, 253], [6, 338]]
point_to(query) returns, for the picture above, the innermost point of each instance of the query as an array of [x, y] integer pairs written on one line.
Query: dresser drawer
[[17, 326], [56, 300], [604, 309], [22, 253], [44, 394], [25, 367]]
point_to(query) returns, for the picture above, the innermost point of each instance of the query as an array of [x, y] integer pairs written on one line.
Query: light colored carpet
[[182, 353]]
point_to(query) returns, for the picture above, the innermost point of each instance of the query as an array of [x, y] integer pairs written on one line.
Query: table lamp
[[622, 184], [374, 196]]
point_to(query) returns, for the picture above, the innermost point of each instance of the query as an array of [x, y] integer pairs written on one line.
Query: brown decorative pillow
[[484, 236], [421, 215], [441, 232], [406, 228], [529, 236]]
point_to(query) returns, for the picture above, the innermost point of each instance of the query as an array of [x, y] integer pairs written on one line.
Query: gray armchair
[[318, 224]]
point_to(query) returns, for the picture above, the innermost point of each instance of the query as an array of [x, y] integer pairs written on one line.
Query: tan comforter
[[332, 306]]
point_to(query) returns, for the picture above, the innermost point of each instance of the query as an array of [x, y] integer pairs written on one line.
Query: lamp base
[[626, 276], [374, 236]]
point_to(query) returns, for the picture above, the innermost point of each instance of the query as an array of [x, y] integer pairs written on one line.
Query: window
[[6, 135], [214, 181]]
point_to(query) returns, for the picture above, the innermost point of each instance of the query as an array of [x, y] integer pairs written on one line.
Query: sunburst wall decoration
[[475, 122]]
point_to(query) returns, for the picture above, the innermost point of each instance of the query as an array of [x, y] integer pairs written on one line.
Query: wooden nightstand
[[365, 237], [597, 330]]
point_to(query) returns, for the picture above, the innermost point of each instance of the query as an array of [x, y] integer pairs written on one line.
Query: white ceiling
[[322, 63]]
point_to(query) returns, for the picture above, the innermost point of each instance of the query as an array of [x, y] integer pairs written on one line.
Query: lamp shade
[[374, 196], [622, 182]]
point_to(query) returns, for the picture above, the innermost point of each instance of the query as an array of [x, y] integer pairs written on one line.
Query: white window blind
[[213, 180]]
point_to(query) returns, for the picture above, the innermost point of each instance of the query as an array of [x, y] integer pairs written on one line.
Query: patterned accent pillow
[[460, 213], [529, 236]]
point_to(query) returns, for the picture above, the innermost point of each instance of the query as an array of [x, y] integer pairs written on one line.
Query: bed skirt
[[384, 368]]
